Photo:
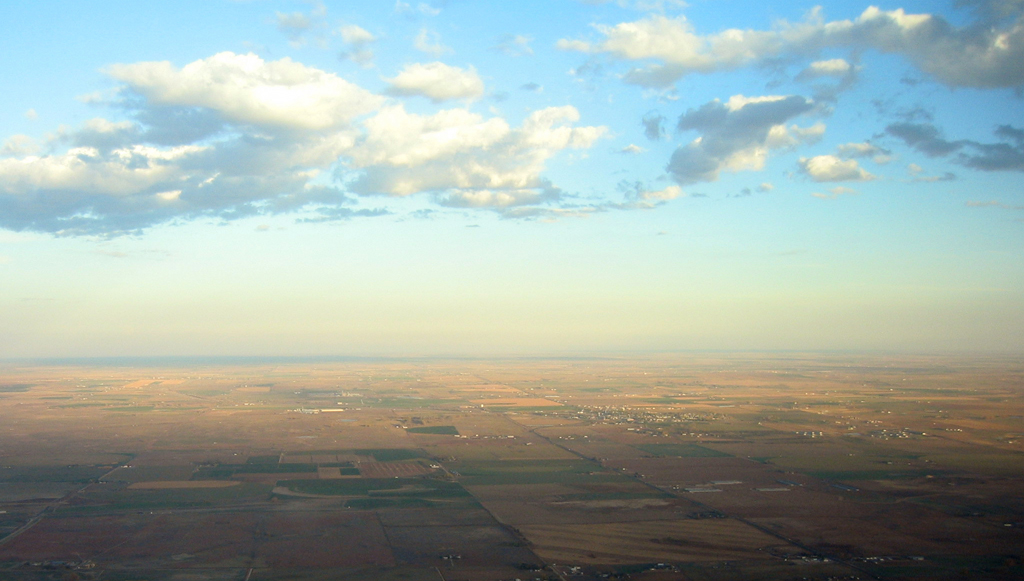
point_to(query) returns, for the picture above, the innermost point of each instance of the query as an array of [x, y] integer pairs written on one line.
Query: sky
[[482, 178]]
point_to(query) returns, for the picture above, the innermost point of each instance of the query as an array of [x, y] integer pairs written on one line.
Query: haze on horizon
[[293, 178]]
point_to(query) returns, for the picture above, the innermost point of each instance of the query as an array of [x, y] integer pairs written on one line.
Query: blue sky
[[313, 178]]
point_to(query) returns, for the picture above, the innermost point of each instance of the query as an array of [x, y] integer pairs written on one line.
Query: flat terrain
[[720, 467]]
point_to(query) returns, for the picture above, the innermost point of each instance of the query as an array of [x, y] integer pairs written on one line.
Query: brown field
[[169, 484], [821, 465], [674, 541], [517, 402]]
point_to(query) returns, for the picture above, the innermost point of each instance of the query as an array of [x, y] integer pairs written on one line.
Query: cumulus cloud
[[641, 5], [839, 70], [763, 188], [101, 134], [738, 135], [293, 25], [19, 145], [404, 153], [924, 137], [829, 68], [1007, 155], [514, 45], [272, 137], [632, 148], [296, 25], [422, 8], [437, 81], [988, 55], [358, 41], [499, 199], [665, 194], [246, 89], [829, 168], [356, 35], [639, 196], [429, 42], [864, 150], [654, 125]]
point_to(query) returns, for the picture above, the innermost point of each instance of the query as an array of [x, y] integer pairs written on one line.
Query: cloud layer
[[234, 135], [971, 56]]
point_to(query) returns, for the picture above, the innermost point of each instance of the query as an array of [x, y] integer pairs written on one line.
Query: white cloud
[[828, 68], [31, 115], [514, 45], [247, 89], [427, 9], [829, 168], [358, 40], [864, 149], [738, 135], [437, 81], [973, 56], [639, 196], [669, 193], [577, 45], [405, 153], [85, 170], [270, 137], [429, 42], [835, 193], [422, 8], [168, 196], [296, 25], [293, 23], [19, 145], [357, 35], [492, 199], [632, 148]]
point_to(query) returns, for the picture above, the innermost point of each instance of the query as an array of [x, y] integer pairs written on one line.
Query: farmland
[[684, 467]]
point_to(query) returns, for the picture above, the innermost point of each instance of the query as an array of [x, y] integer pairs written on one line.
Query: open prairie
[[697, 467]]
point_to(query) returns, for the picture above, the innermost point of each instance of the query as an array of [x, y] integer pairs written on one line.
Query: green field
[[871, 474], [52, 473], [226, 471], [375, 503], [122, 499], [532, 472], [268, 459], [15, 387], [390, 454], [441, 430], [681, 451], [378, 487]]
